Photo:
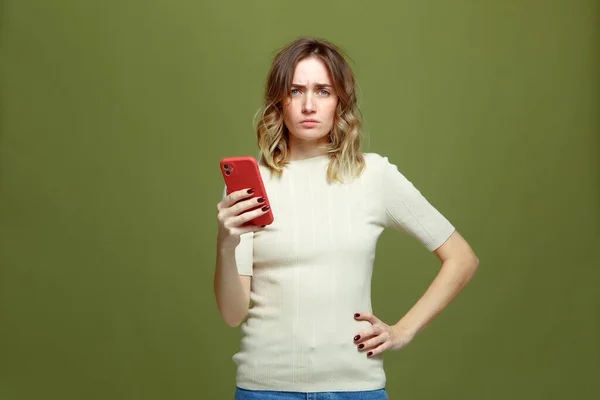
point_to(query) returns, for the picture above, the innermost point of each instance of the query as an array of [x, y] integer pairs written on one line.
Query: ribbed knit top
[[311, 271]]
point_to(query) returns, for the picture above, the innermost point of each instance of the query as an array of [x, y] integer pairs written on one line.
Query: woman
[[311, 327]]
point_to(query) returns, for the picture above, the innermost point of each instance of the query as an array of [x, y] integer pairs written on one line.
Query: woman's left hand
[[379, 337]]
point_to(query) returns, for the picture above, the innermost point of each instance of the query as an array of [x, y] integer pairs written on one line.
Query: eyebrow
[[318, 85]]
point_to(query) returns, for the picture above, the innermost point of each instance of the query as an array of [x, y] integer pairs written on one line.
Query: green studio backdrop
[[114, 115]]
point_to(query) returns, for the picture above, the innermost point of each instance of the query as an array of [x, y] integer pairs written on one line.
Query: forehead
[[311, 70]]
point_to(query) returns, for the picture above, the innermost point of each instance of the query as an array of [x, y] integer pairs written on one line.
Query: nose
[[308, 106]]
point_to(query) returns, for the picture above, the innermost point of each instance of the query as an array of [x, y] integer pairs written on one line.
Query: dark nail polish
[[265, 208], [356, 315], [360, 346], [356, 337], [370, 353], [261, 199], [250, 191], [262, 226]]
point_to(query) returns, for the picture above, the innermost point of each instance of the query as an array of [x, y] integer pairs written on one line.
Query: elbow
[[473, 264], [466, 267], [233, 320], [233, 315], [234, 323], [230, 323]]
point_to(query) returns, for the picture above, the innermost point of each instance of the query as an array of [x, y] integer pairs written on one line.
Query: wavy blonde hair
[[344, 138]]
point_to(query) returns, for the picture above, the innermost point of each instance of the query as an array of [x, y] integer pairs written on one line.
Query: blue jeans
[[245, 394]]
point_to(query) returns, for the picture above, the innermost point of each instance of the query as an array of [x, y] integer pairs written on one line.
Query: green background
[[115, 114]]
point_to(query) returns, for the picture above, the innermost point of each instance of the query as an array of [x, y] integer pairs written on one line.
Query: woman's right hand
[[233, 213]]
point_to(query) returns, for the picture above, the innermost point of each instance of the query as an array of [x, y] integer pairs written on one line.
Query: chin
[[308, 135]]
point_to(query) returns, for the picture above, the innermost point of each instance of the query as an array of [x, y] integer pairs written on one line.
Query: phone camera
[[226, 166], [227, 173]]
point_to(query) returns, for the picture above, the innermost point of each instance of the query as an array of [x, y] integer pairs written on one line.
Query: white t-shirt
[[311, 271]]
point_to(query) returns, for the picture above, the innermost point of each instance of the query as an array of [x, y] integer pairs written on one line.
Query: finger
[[249, 216], [251, 228], [379, 349], [374, 341], [241, 230], [365, 316], [244, 205], [367, 334], [236, 196], [239, 207]]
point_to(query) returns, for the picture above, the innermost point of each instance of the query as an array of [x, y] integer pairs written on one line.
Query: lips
[[309, 122]]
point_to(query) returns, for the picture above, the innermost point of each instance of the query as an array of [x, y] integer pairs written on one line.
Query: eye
[[295, 92], [323, 92]]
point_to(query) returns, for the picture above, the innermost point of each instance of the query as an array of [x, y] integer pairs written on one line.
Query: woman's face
[[309, 111]]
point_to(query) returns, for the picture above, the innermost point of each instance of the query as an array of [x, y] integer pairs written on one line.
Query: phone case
[[241, 173]]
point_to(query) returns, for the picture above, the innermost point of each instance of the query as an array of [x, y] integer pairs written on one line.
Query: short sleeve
[[406, 209], [244, 254]]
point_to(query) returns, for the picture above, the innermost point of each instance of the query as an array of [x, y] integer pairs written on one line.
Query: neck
[[299, 150]]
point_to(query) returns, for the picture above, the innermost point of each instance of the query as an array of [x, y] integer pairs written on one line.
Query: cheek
[[287, 110], [290, 108], [331, 108], [290, 114]]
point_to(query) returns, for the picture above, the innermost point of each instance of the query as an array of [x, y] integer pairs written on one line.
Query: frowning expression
[[309, 111]]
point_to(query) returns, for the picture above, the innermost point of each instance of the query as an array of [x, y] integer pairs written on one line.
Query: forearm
[[232, 299], [452, 278]]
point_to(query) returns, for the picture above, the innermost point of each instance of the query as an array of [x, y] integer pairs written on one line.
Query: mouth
[[309, 122]]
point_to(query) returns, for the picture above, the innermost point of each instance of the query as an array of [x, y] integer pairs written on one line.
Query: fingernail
[[265, 208], [250, 191], [262, 226], [370, 353], [356, 337], [360, 346], [261, 200], [356, 315]]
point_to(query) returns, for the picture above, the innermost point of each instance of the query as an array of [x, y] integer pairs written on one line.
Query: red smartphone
[[241, 173]]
